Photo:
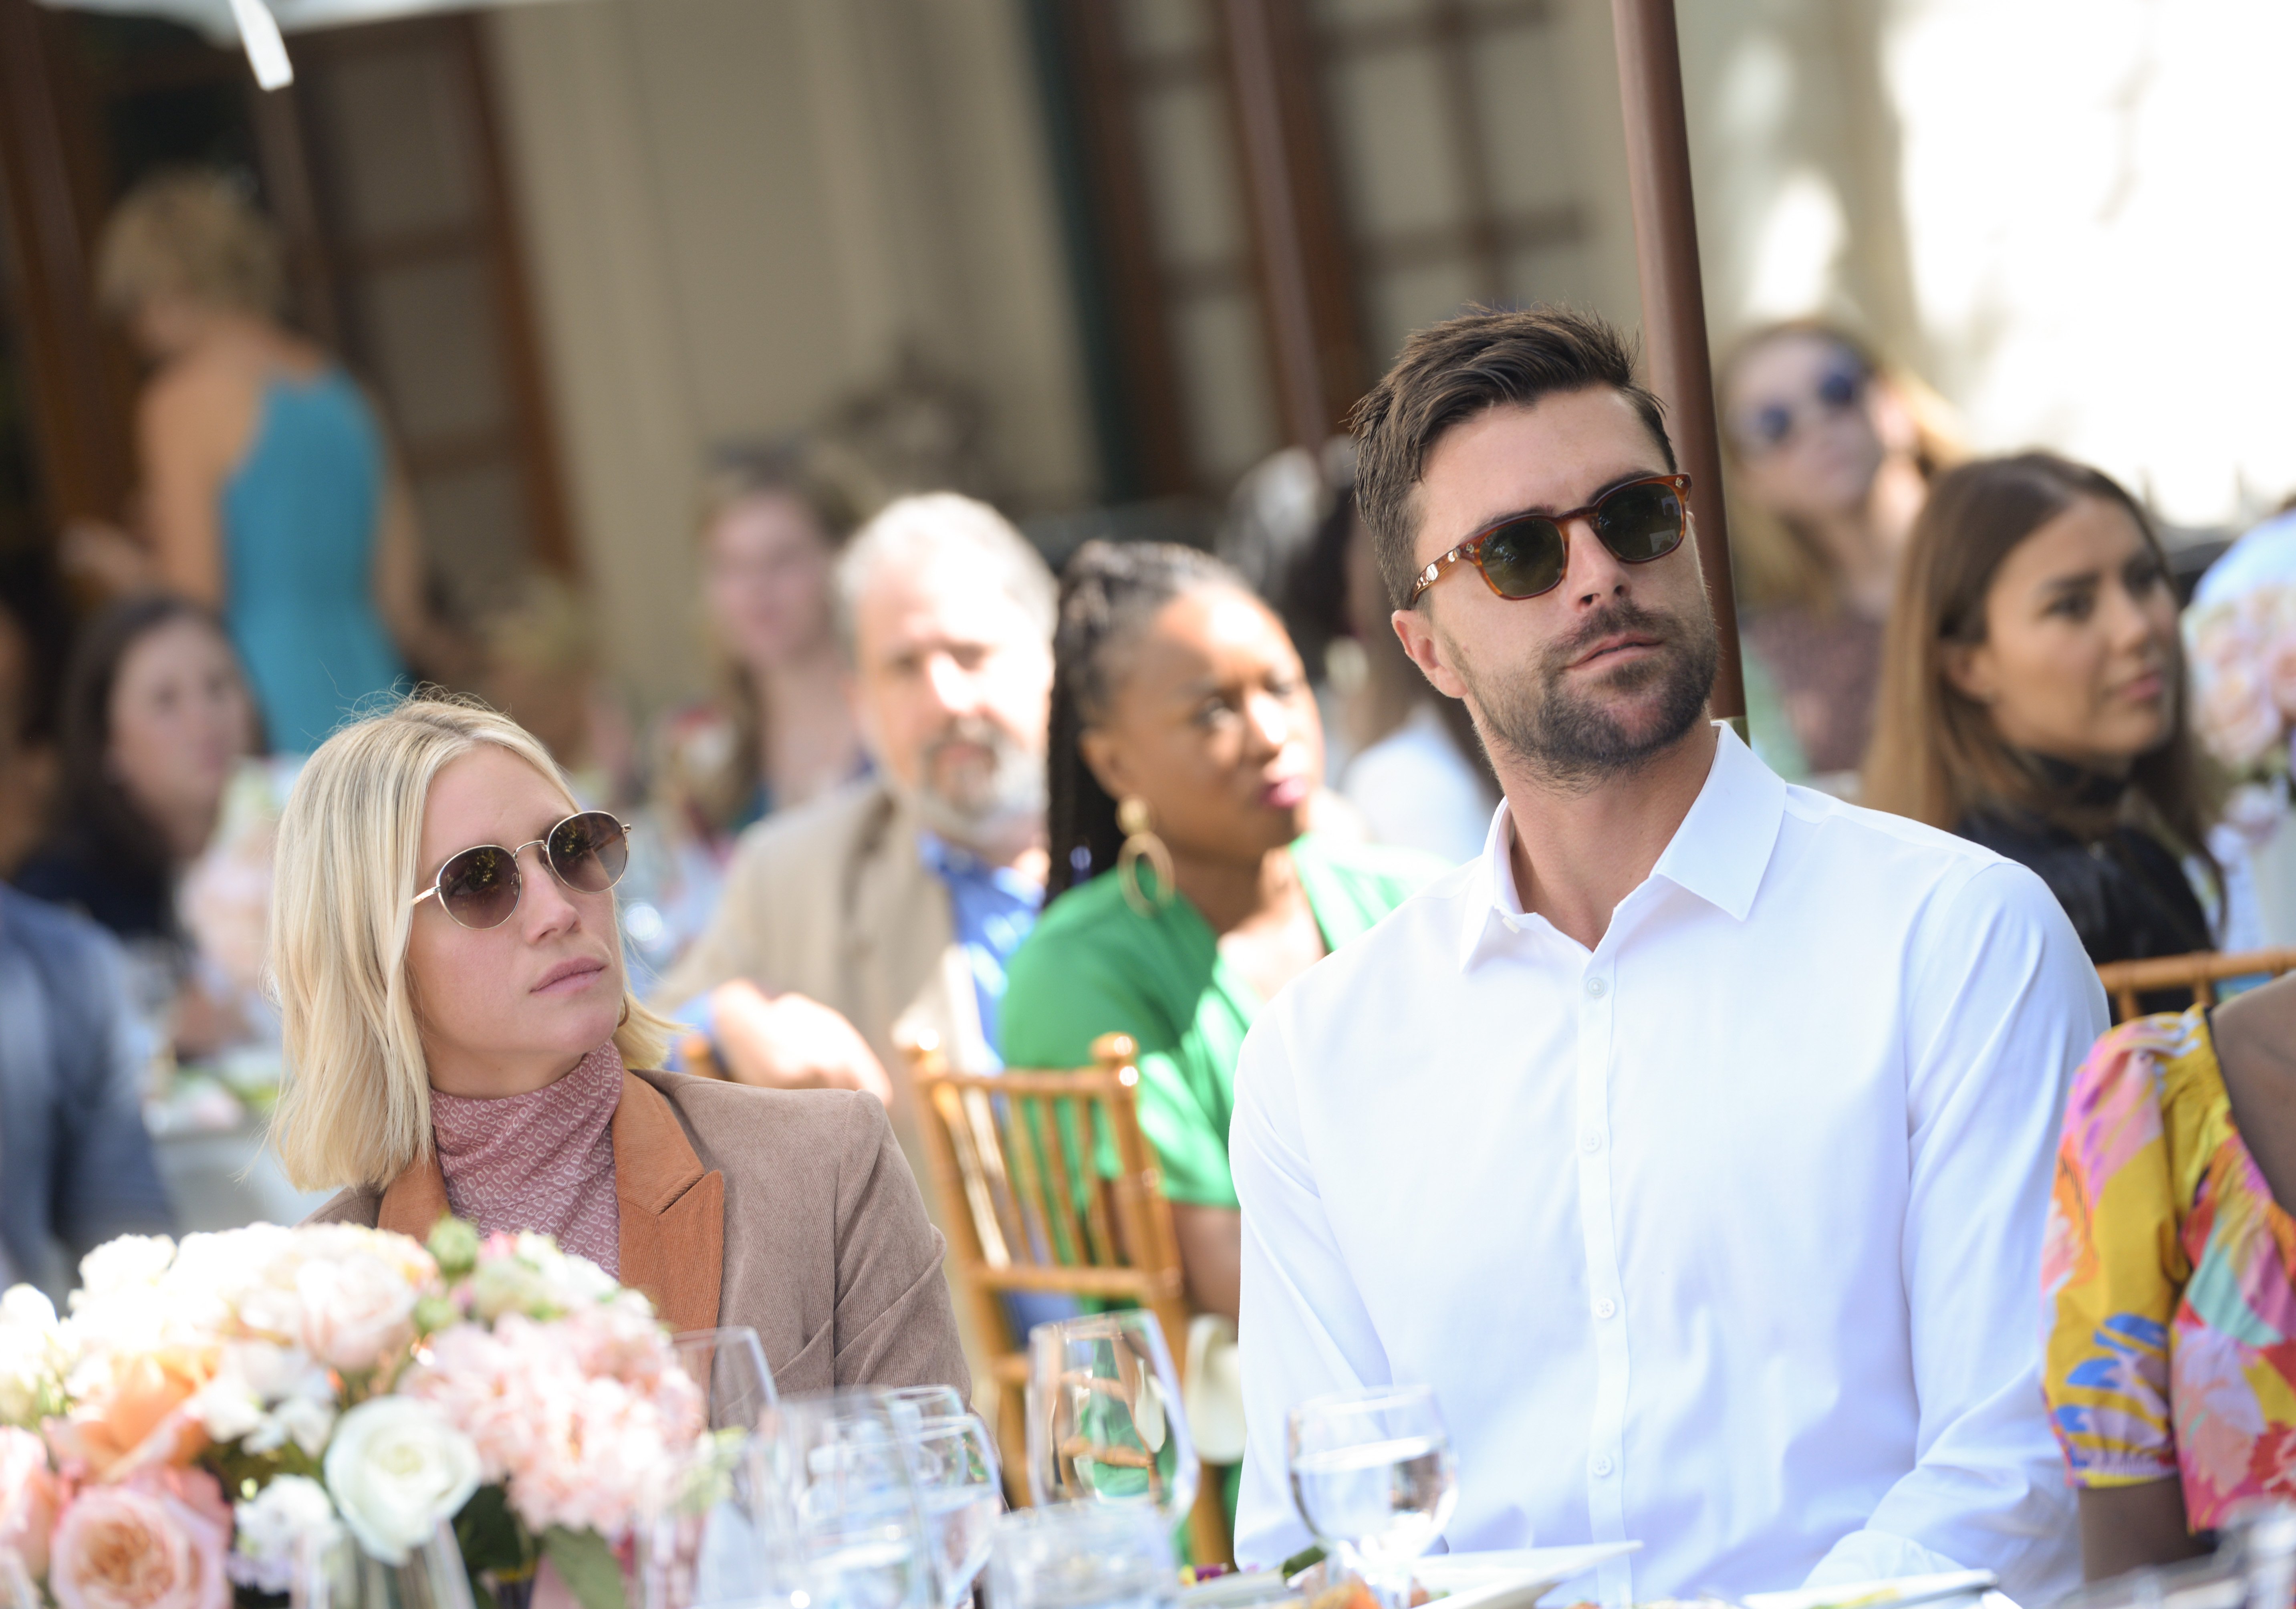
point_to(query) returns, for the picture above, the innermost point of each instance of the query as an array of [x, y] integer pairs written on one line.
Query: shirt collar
[[1719, 853], [953, 863]]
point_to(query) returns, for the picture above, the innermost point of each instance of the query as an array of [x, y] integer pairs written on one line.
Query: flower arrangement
[[214, 1413], [2244, 655]]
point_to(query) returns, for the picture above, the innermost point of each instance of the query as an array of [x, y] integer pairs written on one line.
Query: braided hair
[[1109, 592]]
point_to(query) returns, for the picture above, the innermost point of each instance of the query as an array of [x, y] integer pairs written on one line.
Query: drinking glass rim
[[1366, 1398]]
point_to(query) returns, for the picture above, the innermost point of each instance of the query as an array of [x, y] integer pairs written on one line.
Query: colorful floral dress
[[2167, 1304]]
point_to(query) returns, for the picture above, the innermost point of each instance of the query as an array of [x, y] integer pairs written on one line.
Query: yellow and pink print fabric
[[2168, 1311]]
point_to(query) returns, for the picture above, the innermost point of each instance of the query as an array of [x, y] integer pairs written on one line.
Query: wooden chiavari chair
[[2126, 980]]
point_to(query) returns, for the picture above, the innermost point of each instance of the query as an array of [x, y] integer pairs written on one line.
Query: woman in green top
[[1178, 692]]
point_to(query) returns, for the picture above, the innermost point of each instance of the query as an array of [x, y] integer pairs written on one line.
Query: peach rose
[[158, 1541], [140, 1414], [28, 1499]]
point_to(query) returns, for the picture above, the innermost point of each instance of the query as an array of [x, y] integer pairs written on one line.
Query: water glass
[[844, 1472], [722, 1538], [1373, 1478], [1084, 1556], [1105, 1423], [955, 1462], [729, 1365], [927, 1401]]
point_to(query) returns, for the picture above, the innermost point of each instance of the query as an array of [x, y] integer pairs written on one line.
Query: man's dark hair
[[1447, 374]]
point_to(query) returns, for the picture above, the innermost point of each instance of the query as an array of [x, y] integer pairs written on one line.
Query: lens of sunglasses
[[479, 887], [1839, 388], [1524, 557], [1640, 522], [589, 851]]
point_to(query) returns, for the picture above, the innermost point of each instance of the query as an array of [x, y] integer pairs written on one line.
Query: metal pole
[[1674, 303]]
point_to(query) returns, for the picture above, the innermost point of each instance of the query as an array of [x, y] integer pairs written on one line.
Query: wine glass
[[1372, 1474], [845, 1473], [955, 1462], [1105, 1423], [729, 1365], [1084, 1556]]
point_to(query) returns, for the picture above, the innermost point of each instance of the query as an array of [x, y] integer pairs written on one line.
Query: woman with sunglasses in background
[[1830, 459], [460, 1037], [2034, 700]]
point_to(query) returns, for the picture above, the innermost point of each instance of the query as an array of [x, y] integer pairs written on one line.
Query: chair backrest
[[1022, 1193], [1017, 1177], [2125, 980]]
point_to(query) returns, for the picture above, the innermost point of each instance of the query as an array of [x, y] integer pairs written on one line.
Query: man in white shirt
[[1694, 1141]]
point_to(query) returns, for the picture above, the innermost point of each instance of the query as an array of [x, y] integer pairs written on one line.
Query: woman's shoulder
[[752, 1129], [2153, 1077]]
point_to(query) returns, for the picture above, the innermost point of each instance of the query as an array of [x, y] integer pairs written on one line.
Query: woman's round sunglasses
[[479, 887], [1528, 554]]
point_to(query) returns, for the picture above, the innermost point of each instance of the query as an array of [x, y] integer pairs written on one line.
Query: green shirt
[[1095, 966]]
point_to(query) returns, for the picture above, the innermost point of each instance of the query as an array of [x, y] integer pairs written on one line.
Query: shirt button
[[1595, 987], [1606, 1309], [1590, 1142], [1601, 1468]]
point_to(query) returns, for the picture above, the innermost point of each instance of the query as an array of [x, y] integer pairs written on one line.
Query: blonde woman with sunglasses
[[462, 1038]]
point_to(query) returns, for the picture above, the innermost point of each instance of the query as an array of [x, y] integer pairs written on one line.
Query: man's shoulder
[[1937, 882], [1428, 926], [51, 932], [810, 839]]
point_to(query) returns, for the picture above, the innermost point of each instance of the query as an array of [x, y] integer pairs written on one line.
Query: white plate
[[1959, 1587], [1503, 1579], [1512, 1578]]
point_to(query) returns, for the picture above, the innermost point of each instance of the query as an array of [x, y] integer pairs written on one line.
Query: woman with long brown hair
[[2033, 698]]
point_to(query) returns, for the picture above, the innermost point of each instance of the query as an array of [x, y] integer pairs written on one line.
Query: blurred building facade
[[1130, 245]]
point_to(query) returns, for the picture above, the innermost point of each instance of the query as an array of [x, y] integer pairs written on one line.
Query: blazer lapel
[[416, 1202], [673, 1214]]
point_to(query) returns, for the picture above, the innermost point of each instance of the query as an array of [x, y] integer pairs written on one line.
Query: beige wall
[[739, 212]]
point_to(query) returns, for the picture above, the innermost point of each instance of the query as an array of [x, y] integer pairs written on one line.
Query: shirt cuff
[[1875, 1555]]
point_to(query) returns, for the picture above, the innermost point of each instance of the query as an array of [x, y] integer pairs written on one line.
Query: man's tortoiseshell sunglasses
[[1528, 554]]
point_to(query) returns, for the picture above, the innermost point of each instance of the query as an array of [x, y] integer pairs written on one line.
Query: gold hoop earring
[[622, 1022], [1137, 822]]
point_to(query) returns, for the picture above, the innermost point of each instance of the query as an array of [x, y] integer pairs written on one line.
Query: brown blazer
[[790, 1212]]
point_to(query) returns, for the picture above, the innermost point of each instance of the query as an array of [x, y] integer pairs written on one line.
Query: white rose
[[538, 1280], [31, 1356], [121, 1264], [287, 1521], [396, 1470], [263, 1396]]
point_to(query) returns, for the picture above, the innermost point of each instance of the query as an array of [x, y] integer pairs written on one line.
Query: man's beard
[[979, 809], [1576, 739]]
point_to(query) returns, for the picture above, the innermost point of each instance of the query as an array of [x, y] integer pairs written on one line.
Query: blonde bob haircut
[[355, 1105], [189, 232]]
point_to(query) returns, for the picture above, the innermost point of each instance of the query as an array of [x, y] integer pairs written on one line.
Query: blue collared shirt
[[992, 909]]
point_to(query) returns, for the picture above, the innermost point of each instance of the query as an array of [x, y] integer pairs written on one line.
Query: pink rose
[[356, 1310], [28, 1499], [156, 1541]]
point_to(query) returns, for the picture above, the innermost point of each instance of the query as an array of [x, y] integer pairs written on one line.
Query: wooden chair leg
[[1013, 1442], [1209, 1539]]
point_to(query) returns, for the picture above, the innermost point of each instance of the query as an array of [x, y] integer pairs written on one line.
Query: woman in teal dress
[[268, 490], [1185, 887]]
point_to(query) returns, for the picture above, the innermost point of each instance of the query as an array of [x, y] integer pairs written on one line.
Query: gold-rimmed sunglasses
[[1530, 554], [479, 887]]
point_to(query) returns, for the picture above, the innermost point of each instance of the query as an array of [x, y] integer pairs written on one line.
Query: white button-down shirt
[[1723, 1237]]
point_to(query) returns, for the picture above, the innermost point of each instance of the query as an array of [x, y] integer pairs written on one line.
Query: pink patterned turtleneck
[[543, 1160]]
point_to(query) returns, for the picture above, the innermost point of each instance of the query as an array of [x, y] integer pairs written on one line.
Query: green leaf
[[1306, 1559], [586, 1565], [490, 1536]]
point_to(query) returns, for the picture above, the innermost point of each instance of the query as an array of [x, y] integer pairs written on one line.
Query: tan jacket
[[789, 1211], [834, 900]]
